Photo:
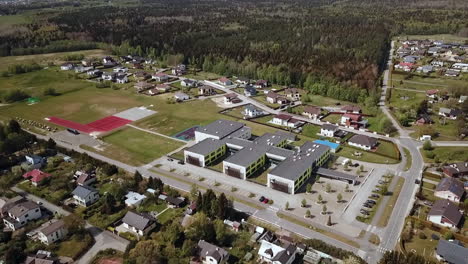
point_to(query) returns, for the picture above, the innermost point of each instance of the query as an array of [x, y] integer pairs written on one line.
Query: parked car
[[368, 205], [266, 201], [181, 162], [374, 195], [371, 201], [169, 159], [364, 212], [261, 199], [376, 190]]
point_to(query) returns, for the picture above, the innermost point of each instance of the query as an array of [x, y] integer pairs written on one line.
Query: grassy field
[[203, 76], [137, 147], [348, 152], [443, 37], [14, 20], [383, 221], [423, 247], [74, 246], [169, 215], [319, 100], [447, 154], [387, 148], [44, 59]]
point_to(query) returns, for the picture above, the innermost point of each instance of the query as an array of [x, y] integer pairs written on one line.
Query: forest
[[346, 41]]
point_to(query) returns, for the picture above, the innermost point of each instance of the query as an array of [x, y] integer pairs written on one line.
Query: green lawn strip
[[428, 185], [324, 232], [387, 148], [348, 152], [423, 247], [383, 221], [203, 76], [136, 147], [103, 220], [74, 246], [374, 239], [432, 177], [429, 195], [409, 159], [310, 130], [333, 118], [43, 192], [170, 214], [447, 154]]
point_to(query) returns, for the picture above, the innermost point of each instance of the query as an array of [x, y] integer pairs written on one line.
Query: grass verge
[[383, 221], [409, 159]]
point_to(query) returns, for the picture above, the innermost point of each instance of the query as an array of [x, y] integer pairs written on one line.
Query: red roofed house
[[225, 81], [353, 120], [36, 176], [286, 120], [406, 66], [432, 93]]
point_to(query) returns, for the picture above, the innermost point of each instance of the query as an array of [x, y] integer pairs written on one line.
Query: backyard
[[445, 154]]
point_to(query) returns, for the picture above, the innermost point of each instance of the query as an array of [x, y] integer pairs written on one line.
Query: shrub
[[422, 235], [430, 155]]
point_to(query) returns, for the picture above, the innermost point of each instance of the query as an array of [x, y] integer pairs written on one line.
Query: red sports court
[[101, 125]]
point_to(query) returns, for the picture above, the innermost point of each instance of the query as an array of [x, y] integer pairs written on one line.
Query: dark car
[[181, 162], [371, 201], [364, 212], [262, 199], [169, 159], [266, 201], [73, 131], [375, 195], [368, 205]]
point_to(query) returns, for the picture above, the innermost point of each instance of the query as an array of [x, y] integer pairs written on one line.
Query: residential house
[[85, 195], [451, 251], [363, 142], [211, 254], [445, 213], [179, 69], [261, 84], [452, 73], [108, 76], [163, 87], [143, 86], [206, 90], [405, 66], [293, 94], [84, 179], [121, 78], [451, 189], [181, 96], [312, 112], [175, 202], [353, 120], [462, 99], [231, 98], [425, 69], [234, 225], [120, 70], [35, 161], [22, 213], [274, 98], [274, 254], [424, 119], [67, 66], [81, 69], [41, 257], [52, 232], [252, 111], [192, 208], [134, 198], [36, 176], [107, 59], [243, 81], [250, 90], [351, 109], [286, 120], [460, 66], [160, 77], [328, 130], [140, 224], [225, 81], [7, 203], [88, 62], [94, 73], [410, 59], [437, 63], [456, 170], [142, 76], [188, 83], [450, 113]]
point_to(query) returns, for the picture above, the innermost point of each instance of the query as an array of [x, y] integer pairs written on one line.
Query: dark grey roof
[[452, 252], [336, 174], [329, 127], [207, 249], [452, 185], [23, 208], [221, 128], [363, 140], [294, 166], [238, 142], [284, 256], [280, 152], [52, 227], [446, 209], [206, 146], [83, 191], [139, 221]]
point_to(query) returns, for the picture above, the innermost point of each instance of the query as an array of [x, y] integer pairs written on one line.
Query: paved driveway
[[104, 240]]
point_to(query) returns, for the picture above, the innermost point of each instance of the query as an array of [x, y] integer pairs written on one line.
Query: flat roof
[[294, 166], [206, 146], [336, 174], [221, 128]]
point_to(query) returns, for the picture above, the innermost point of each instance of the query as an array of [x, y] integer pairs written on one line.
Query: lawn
[[409, 159], [74, 247], [383, 221], [387, 148], [137, 147], [348, 152], [103, 220], [333, 118], [310, 130], [319, 100], [447, 154], [44, 192], [169, 214], [443, 37], [15, 20], [260, 178], [423, 247], [262, 99], [203, 76]]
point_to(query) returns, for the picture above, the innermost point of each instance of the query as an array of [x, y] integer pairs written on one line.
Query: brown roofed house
[[363, 142], [456, 170], [445, 213], [451, 189], [313, 112]]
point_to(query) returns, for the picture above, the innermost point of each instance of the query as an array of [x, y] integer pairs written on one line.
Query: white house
[[137, 223], [108, 76], [121, 78], [211, 254], [188, 83], [225, 81], [67, 66], [328, 130], [160, 77], [22, 213], [362, 142], [52, 232], [286, 120], [450, 189], [274, 254], [85, 195], [252, 111], [120, 70], [134, 198], [462, 99], [445, 213], [181, 96], [460, 66]]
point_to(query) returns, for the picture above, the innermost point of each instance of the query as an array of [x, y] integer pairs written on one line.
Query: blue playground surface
[[332, 145], [187, 134]]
